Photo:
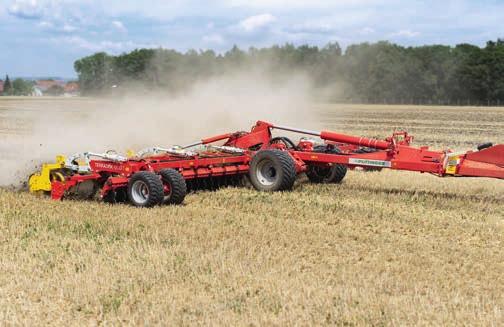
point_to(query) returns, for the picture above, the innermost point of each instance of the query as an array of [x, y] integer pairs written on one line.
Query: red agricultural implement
[[164, 176]]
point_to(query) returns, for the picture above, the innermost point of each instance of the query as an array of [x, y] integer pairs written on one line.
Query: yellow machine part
[[41, 181], [452, 164], [130, 153]]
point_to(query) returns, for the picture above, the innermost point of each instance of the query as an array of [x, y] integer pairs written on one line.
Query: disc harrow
[[159, 175]]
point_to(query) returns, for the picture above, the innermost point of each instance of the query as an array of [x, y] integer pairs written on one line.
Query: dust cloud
[[232, 102]]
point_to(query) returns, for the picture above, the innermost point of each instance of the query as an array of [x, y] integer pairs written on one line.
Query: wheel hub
[[140, 192], [266, 172]]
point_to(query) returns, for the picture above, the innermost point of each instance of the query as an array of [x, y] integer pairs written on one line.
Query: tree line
[[23, 87], [370, 72], [18, 87]]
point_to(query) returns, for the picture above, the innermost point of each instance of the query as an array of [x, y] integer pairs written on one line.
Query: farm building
[[71, 88], [37, 92], [44, 85]]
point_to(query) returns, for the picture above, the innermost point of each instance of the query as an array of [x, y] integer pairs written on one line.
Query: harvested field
[[383, 248]]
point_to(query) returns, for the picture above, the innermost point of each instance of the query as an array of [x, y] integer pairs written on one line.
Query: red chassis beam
[[394, 153], [407, 158], [193, 167]]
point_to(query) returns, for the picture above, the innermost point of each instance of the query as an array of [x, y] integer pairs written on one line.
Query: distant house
[[44, 85], [71, 88], [37, 92]]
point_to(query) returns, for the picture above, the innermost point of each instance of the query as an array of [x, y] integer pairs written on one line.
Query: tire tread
[[156, 193], [287, 166], [338, 171], [177, 184]]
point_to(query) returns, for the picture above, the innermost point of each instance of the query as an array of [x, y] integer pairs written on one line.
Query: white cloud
[[46, 24], [312, 27], [26, 9], [254, 22], [81, 43], [405, 33], [367, 31], [292, 3], [58, 27], [118, 25], [214, 39], [68, 28]]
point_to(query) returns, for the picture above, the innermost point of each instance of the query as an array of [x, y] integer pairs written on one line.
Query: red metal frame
[[394, 152]]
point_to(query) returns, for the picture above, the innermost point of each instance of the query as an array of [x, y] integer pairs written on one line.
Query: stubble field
[[383, 248]]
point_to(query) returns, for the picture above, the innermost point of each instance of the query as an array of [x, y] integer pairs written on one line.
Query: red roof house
[[71, 87], [45, 85]]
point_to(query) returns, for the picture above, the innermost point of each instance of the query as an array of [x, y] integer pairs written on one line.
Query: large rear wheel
[[326, 174], [272, 170], [175, 188], [145, 189]]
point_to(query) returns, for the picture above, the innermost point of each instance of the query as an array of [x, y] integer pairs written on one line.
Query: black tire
[[326, 174], [272, 170], [485, 146], [285, 140], [177, 186], [145, 189]]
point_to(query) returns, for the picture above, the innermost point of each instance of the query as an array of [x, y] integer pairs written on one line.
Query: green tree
[[7, 86], [373, 71], [494, 59], [20, 87], [235, 57], [96, 73], [467, 79], [133, 66]]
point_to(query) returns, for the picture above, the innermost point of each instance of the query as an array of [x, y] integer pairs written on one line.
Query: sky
[[45, 37]]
